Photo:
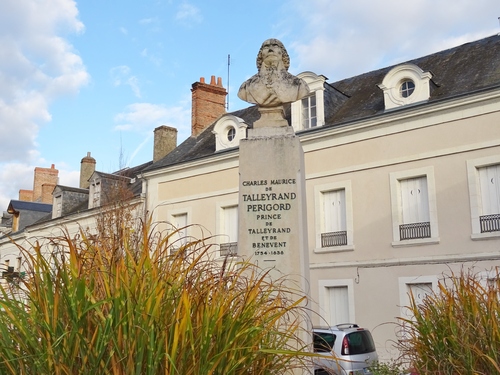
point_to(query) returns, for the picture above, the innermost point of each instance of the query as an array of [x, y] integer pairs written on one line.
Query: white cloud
[[121, 75], [187, 14], [343, 38], [37, 66], [146, 116], [13, 177]]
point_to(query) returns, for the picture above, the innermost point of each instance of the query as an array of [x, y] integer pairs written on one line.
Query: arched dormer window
[[405, 84], [309, 112], [228, 131]]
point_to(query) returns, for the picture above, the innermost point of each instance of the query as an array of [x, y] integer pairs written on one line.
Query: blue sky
[[99, 75]]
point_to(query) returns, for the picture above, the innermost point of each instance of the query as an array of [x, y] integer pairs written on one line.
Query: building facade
[[402, 171]]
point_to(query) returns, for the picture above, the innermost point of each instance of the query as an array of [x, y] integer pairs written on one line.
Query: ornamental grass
[[456, 329], [130, 300]]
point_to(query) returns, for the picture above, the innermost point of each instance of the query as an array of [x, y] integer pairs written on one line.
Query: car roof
[[344, 327]]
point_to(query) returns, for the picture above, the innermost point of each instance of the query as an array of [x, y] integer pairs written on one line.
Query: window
[[336, 301], [407, 88], [179, 223], [95, 194], [484, 188], [489, 182], [229, 235], [309, 112], [405, 84], [334, 231], [231, 133], [414, 209], [323, 342], [338, 304], [309, 117], [58, 206], [333, 213], [414, 213], [229, 130], [418, 287]]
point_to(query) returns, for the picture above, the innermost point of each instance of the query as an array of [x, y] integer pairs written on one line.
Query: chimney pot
[[202, 79], [219, 81], [212, 80]]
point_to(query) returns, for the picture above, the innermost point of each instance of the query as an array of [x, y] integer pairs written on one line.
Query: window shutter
[[489, 179], [414, 200], [230, 225], [334, 211]]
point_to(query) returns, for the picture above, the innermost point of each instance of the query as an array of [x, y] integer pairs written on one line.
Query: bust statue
[[273, 86]]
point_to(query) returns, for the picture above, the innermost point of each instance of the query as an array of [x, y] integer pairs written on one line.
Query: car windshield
[[360, 342]]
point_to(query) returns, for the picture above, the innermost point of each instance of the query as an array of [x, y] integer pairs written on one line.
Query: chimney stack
[[87, 168], [44, 176], [165, 141], [26, 195], [208, 104], [47, 190]]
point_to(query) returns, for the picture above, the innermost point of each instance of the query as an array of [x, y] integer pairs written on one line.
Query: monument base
[[271, 117]]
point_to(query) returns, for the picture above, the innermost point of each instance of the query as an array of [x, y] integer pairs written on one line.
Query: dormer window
[[310, 111], [407, 88], [405, 84], [231, 134], [309, 115], [229, 130]]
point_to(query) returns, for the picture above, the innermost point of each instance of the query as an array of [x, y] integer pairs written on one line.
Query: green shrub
[[120, 303], [387, 368], [456, 329]]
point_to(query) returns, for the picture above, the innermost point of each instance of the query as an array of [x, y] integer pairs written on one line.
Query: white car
[[344, 349]]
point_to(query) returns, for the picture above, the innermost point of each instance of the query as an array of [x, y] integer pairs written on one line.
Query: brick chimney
[[165, 141], [47, 190], [26, 195], [87, 167], [209, 102], [44, 176]]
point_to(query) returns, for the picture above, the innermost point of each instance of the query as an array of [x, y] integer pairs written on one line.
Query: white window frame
[[475, 195], [95, 193], [324, 302], [307, 120], [219, 219], [396, 205], [319, 190], [404, 289], [57, 206], [171, 219], [391, 86], [316, 85]]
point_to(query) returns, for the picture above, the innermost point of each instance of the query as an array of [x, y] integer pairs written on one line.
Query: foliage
[[456, 329], [129, 301], [386, 368]]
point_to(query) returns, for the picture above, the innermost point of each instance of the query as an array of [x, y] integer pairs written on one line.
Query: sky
[[100, 75]]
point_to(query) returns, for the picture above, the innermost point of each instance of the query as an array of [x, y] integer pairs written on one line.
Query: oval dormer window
[[231, 133], [407, 88]]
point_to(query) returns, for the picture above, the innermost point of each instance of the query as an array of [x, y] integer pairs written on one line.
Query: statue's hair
[[284, 53]]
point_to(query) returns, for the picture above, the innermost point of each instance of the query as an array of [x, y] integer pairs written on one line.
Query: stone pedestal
[[272, 204]]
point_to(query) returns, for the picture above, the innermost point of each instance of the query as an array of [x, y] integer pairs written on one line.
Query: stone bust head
[[273, 49], [273, 86]]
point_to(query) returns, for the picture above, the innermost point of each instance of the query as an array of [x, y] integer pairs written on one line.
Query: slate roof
[[29, 206], [462, 70], [457, 71]]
